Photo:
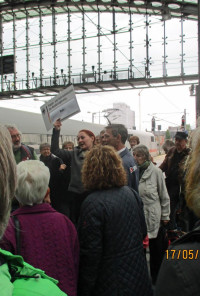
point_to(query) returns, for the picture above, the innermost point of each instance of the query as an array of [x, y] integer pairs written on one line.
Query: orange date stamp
[[182, 254]]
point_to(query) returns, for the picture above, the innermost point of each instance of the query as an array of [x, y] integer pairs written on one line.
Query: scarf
[[143, 167]]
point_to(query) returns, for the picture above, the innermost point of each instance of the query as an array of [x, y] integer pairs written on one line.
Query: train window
[[152, 139]]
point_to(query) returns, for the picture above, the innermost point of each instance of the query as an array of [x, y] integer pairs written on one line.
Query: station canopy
[[21, 8]]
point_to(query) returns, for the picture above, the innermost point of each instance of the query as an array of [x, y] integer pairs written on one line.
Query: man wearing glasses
[[21, 151]]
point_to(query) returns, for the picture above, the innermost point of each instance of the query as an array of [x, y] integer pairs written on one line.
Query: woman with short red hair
[[74, 158]]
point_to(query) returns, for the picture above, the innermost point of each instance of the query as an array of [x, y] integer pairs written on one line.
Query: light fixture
[[139, 2], [156, 4], [173, 5]]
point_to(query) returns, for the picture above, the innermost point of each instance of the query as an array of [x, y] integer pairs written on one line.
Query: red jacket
[[48, 241]]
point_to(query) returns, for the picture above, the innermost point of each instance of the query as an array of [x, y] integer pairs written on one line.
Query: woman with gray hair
[[45, 238], [32, 182], [153, 192], [16, 276]]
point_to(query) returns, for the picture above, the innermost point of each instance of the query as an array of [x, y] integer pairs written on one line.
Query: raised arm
[[63, 154]]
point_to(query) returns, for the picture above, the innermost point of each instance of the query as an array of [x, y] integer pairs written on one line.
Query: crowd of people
[[82, 215]]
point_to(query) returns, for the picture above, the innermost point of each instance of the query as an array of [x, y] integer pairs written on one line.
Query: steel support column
[[41, 52], [99, 47], [14, 51], [198, 86], [1, 52], [69, 45], [147, 68], [84, 47], [165, 51], [131, 45], [182, 48], [114, 47], [27, 52], [54, 41]]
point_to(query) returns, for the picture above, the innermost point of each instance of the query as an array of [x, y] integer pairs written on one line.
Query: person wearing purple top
[[48, 239]]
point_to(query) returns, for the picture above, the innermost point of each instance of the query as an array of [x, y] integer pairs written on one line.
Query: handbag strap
[[17, 234]]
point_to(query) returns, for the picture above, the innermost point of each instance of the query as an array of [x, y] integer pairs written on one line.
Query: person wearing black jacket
[[116, 135], [172, 166], [111, 230], [180, 269], [56, 168]]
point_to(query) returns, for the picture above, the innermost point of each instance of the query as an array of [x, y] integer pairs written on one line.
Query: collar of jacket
[[147, 172], [174, 149], [81, 153], [186, 151], [39, 208], [78, 149], [124, 152], [45, 158]]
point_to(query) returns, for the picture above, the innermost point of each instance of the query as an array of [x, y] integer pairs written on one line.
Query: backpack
[[26, 152]]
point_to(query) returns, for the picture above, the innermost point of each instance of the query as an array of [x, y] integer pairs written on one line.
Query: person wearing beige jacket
[[153, 192]]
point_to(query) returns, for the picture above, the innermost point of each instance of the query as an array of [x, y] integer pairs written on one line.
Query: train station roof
[[32, 8]]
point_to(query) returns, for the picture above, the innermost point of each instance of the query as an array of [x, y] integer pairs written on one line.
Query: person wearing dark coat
[[111, 230], [57, 169], [172, 166], [66, 196], [116, 135], [44, 237], [17, 277], [180, 269]]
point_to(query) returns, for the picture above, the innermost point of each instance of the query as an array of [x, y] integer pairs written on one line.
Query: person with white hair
[[16, 276], [45, 238]]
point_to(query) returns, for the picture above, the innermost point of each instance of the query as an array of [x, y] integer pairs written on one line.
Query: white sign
[[62, 106]]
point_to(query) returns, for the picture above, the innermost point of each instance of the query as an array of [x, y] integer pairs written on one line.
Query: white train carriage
[[33, 129], [34, 132], [147, 139]]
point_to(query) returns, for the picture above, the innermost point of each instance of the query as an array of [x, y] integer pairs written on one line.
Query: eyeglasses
[[15, 136]]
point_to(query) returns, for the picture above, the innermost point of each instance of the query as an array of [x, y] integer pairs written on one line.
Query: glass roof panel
[[190, 1], [7, 7], [122, 1]]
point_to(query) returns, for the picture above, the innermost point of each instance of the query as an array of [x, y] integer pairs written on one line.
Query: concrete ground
[[159, 159]]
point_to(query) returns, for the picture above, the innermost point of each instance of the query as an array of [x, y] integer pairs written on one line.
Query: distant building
[[124, 115]]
